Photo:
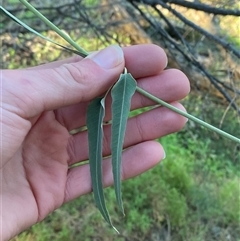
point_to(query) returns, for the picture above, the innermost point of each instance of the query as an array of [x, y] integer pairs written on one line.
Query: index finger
[[141, 60]]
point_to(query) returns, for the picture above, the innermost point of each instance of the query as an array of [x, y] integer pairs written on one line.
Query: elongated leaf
[[38, 34], [122, 93], [95, 115]]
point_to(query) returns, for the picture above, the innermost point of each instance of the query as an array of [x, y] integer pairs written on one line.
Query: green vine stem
[[141, 91], [54, 27], [190, 117]]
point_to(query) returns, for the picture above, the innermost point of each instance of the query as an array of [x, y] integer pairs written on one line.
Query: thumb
[[35, 91]]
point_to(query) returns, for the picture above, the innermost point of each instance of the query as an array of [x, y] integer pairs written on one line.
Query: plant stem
[[141, 91], [54, 27], [190, 117]]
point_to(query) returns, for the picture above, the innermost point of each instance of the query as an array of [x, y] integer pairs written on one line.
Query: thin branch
[[191, 59], [197, 6], [208, 35]]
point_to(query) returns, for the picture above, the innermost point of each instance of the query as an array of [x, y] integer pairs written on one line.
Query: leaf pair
[[121, 93]]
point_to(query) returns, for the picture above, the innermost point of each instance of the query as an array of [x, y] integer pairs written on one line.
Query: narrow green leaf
[[54, 27], [122, 93], [95, 115], [38, 34]]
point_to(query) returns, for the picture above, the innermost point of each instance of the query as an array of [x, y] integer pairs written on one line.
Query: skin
[[39, 107]]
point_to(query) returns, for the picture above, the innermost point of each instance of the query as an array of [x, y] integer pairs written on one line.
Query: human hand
[[41, 105]]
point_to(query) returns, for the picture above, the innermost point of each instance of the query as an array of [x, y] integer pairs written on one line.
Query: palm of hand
[[37, 173]]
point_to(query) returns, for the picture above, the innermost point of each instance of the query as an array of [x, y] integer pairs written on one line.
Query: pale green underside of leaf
[[38, 34], [121, 93], [95, 115]]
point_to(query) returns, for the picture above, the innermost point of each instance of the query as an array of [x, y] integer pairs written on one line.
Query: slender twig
[[190, 58], [201, 30], [190, 117], [141, 91], [197, 5], [54, 27]]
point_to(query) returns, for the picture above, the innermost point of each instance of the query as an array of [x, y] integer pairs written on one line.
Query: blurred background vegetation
[[194, 194]]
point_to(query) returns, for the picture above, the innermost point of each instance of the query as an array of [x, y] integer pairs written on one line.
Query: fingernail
[[164, 155], [109, 57], [166, 63]]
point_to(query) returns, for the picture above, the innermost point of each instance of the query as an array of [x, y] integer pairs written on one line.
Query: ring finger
[[149, 125]]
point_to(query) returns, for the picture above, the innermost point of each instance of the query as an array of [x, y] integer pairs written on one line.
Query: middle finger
[[171, 85]]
